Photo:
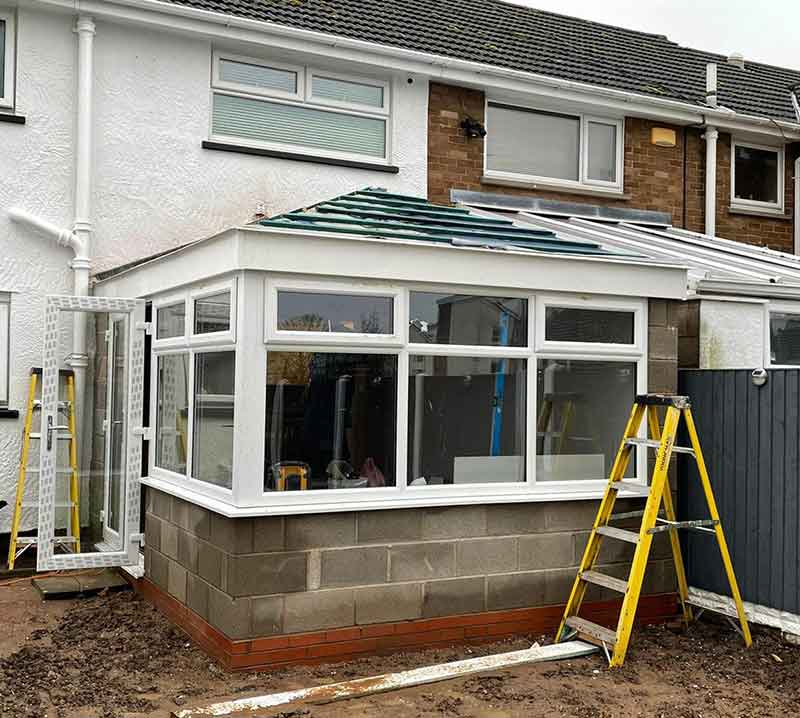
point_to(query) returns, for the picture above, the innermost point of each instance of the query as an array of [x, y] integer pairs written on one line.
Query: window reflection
[[340, 313], [212, 442], [331, 421]]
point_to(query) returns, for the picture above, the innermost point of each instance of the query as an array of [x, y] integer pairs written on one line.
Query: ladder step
[[34, 540], [601, 579], [58, 505], [59, 435], [698, 525], [601, 633], [655, 444], [620, 534], [635, 486], [37, 404], [35, 470]]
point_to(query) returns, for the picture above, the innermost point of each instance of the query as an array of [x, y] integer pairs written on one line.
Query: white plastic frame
[[385, 85], [298, 70], [780, 151], [5, 346], [225, 336], [583, 181], [8, 16], [47, 559], [770, 309]]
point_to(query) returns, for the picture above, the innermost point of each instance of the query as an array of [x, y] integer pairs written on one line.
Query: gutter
[[193, 20]]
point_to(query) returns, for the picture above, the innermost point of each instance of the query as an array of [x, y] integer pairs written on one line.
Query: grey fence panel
[[750, 438]]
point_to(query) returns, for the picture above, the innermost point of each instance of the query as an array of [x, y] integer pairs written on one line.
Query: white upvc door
[[109, 437]]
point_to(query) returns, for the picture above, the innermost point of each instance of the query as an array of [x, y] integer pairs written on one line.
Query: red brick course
[[345, 643], [655, 178]]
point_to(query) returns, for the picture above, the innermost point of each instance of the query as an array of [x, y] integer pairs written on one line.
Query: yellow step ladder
[[615, 642], [19, 544]]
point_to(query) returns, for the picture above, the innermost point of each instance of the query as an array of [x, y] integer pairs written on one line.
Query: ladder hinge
[[146, 432], [146, 327]]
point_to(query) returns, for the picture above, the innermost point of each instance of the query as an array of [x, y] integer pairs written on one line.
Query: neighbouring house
[[316, 397]]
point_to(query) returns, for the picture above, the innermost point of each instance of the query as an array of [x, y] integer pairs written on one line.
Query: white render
[[732, 334], [154, 186]]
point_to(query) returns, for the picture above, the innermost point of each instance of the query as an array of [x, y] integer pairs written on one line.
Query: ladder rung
[[35, 470], [601, 633], [627, 515], [33, 540], [639, 488], [620, 534], [37, 404], [602, 579], [697, 524], [59, 435], [655, 444], [58, 505]]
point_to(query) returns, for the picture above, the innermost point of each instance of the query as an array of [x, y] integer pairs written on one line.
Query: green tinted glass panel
[[268, 78], [298, 125], [358, 93]]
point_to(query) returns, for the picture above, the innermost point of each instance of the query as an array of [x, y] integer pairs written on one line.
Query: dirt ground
[[115, 656]]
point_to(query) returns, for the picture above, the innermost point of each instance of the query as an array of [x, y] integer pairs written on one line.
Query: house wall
[[732, 334], [154, 186], [664, 179]]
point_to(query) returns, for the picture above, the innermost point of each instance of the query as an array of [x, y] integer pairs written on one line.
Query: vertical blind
[[357, 93], [298, 125], [260, 76]]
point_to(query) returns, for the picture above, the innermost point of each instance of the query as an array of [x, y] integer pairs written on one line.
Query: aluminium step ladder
[[19, 544], [615, 642]]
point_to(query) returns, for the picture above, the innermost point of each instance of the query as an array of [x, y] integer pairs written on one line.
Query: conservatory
[[380, 410]]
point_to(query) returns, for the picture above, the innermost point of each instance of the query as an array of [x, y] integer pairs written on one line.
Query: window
[[331, 421], [439, 318], [335, 313], [466, 420], [7, 56], [212, 313], [5, 348], [172, 414], [576, 324], [582, 409], [212, 439], [171, 321], [294, 108], [757, 176], [562, 149], [784, 338]]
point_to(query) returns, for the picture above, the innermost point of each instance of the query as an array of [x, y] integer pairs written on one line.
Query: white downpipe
[[710, 136], [796, 212]]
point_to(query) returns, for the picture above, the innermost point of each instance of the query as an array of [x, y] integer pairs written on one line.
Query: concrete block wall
[[260, 577]]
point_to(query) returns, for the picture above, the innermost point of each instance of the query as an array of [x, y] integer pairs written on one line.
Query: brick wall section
[[271, 576], [654, 177]]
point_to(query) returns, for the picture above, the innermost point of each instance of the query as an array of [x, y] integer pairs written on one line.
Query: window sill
[[317, 159], [9, 413], [553, 187], [415, 500], [13, 119], [767, 213]]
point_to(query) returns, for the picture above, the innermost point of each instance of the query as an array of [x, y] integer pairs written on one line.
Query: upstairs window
[[294, 108], [5, 336], [7, 36], [555, 148], [756, 176]]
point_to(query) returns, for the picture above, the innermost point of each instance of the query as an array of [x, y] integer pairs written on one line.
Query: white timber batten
[[344, 256]]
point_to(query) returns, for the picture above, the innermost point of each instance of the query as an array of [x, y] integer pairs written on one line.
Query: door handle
[[50, 429]]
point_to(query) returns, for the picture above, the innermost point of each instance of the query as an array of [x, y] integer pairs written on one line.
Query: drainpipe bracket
[[78, 361], [85, 24], [80, 263]]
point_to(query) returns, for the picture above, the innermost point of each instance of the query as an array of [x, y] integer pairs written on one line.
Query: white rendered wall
[[154, 185], [731, 334]]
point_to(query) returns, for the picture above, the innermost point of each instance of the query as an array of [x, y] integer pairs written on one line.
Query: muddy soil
[[115, 656]]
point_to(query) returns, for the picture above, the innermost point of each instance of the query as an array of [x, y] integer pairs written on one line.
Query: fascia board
[[218, 25], [274, 250], [776, 290]]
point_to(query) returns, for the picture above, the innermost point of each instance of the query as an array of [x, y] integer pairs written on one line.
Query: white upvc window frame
[[770, 309], [8, 16], [583, 181], [736, 202], [190, 345], [303, 98], [5, 347]]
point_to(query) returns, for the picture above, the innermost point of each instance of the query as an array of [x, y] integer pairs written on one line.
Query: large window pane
[[357, 93], [574, 324], [437, 318], [784, 338], [583, 408], [212, 313], [466, 420], [260, 76], [298, 125], [212, 440], [347, 313], [602, 152], [171, 321], [533, 143], [172, 416], [331, 421], [756, 174]]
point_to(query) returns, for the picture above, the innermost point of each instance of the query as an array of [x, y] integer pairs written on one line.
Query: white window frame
[[274, 335], [770, 309], [302, 98], [191, 345], [5, 347], [776, 207], [583, 181], [7, 98]]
